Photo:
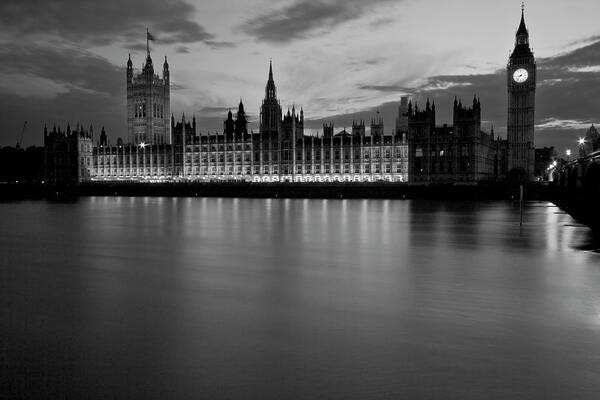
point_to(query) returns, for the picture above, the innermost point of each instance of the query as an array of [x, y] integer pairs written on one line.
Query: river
[[217, 298]]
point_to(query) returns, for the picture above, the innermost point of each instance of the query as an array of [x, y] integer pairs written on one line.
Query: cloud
[[103, 22], [385, 88], [437, 84], [67, 68], [298, 19], [24, 85], [585, 69], [220, 45], [554, 123]]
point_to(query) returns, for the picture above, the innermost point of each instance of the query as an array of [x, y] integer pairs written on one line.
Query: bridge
[[577, 187]]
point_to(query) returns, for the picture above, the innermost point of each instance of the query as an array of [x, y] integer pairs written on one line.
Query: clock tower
[[521, 81]]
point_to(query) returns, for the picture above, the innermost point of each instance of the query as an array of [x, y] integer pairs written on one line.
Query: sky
[[64, 61]]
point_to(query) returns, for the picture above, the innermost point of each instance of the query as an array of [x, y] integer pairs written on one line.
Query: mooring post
[[521, 205]]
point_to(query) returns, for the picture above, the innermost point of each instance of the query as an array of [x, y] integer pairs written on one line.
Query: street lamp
[[581, 141]]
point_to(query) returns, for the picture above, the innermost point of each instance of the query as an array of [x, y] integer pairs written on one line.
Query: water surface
[[114, 297]]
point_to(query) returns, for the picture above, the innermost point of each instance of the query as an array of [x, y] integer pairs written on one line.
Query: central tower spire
[[270, 112]]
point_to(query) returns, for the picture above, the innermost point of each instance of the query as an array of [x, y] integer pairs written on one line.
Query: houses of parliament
[[415, 150]]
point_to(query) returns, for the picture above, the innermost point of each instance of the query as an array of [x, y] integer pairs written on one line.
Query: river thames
[[117, 297]]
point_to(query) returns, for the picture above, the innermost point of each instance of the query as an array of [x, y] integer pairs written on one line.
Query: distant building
[[68, 155], [461, 153], [591, 142]]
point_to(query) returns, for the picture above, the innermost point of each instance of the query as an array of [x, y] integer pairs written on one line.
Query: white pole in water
[[521, 204]]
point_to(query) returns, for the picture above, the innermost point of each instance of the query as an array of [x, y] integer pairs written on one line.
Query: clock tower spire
[[521, 83]]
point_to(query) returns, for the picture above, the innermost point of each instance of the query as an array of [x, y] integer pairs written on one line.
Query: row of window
[[257, 170]]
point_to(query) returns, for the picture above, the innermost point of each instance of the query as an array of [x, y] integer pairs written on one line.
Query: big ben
[[521, 81]]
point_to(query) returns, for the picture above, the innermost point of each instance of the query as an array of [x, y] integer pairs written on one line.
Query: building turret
[[129, 71], [328, 130], [229, 126], [241, 122], [166, 70], [103, 138], [270, 111], [358, 128]]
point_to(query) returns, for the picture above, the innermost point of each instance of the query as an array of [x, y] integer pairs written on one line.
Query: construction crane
[[20, 142]]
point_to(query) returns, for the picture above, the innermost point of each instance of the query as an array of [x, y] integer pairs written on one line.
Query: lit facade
[[279, 152]]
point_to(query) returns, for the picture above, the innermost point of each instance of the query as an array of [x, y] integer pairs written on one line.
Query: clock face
[[520, 75]]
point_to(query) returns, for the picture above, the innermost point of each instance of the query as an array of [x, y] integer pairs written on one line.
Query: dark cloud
[[379, 22], [220, 45], [182, 49], [74, 68], [385, 88], [300, 18], [104, 22]]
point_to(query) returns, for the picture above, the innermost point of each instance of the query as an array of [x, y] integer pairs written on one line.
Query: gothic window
[[419, 152]]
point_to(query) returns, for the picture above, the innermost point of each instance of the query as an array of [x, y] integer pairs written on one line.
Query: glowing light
[[568, 152], [581, 141], [143, 145]]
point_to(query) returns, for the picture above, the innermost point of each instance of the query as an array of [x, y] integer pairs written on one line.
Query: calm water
[[297, 299]]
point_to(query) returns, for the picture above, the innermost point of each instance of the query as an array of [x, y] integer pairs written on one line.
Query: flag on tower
[[149, 37]]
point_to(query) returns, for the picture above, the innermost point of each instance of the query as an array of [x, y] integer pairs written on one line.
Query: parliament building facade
[[159, 148]]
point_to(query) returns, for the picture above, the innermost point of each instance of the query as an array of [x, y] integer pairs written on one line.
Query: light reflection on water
[[265, 298]]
